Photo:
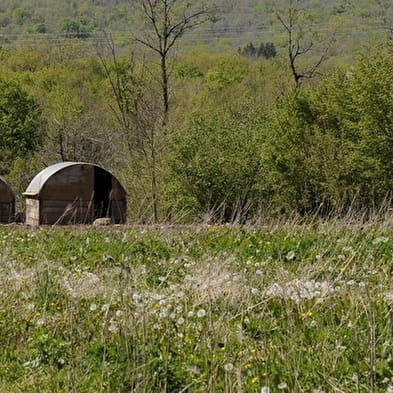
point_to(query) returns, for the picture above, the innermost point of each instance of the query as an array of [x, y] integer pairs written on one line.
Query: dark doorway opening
[[102, 191]]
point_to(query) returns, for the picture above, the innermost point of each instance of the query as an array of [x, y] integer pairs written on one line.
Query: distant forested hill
[[235, 23]]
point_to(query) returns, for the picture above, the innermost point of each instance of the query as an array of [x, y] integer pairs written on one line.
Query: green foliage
[[308, 151], [236, 138], [20, 124], [330, 145], [216, 159], [78, 28], [266, 50], [226, 71], [373, 102]]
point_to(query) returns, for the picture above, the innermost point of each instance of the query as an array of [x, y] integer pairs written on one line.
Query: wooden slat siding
[[117, 192], [5, 212], [7, 203], [66, 212], [119, 209], [5, 193], [62, 203]]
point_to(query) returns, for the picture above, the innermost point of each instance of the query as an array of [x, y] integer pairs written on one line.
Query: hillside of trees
[[233, 23], [201, 134]]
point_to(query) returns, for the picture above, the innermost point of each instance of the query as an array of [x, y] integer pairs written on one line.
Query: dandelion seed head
[[193, 369], [290, 255], [254, 291], [380, 239], [40, 322]]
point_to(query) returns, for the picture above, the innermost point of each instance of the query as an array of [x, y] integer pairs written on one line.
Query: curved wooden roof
[[37, 184]]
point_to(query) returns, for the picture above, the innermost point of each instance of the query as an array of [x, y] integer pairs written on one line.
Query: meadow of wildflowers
[[302, 308]]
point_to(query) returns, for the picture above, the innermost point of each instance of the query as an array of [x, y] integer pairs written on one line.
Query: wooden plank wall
[[119, 209], [7, 212], [66, 212]]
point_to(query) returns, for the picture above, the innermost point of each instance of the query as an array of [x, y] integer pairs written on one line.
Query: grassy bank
[[301, 308]]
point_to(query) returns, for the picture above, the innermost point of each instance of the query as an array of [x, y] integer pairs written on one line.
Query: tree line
[[202, 136]]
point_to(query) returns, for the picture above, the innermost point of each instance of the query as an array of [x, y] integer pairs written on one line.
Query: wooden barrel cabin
[[74, 193], [7, 202]]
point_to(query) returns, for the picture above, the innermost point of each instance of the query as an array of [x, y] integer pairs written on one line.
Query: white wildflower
[[282, 386], [164, 313], [254, 291], [40, 322], [113, 328], [228, 367], [313, 323], [299, 289], [93, 307], [201, 313], [388, 296], [193, 369], [82, 284], [291, 255], [265, 389], [380, 239]]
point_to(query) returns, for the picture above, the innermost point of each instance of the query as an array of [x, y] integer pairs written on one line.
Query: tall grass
[[300, 307]]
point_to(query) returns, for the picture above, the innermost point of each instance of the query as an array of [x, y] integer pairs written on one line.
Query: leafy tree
[[215, 162], [310, 149], [266, 50], [76, 128], [249, 50], [137, 113], [226, 70], [371, 82], [331, 146], [20, 124], [77, 28]]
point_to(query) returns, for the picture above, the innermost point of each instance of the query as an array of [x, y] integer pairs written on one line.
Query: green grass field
[[291, 308]]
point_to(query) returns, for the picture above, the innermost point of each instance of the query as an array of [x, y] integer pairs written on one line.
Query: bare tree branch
[[298, 46], [169, 20]]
